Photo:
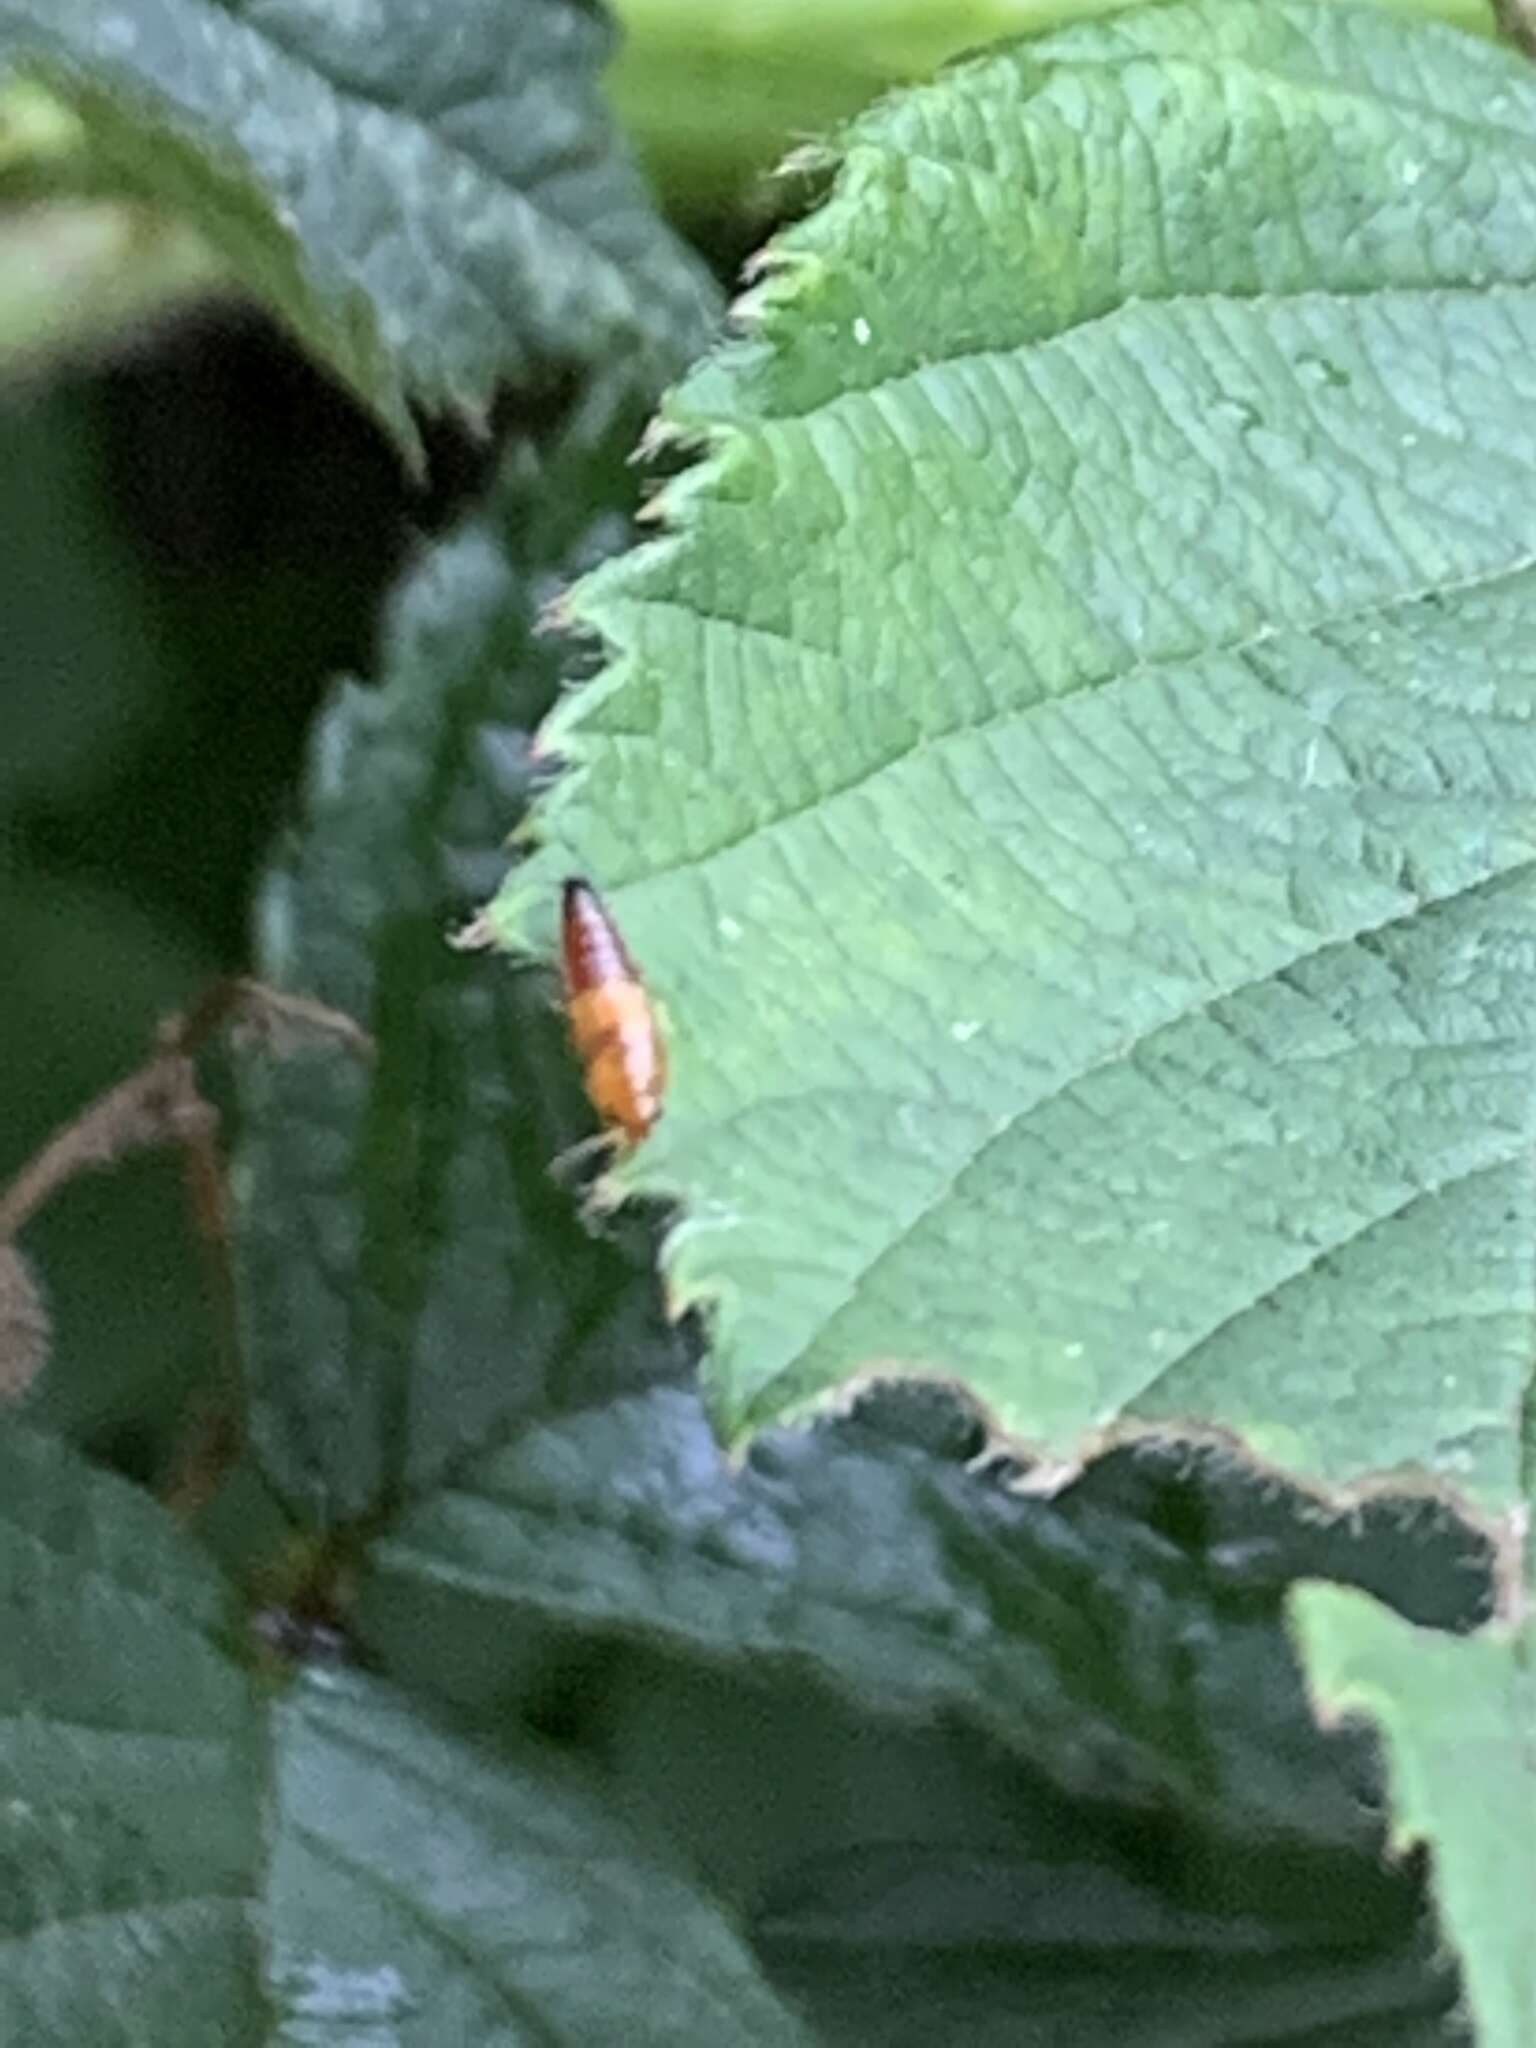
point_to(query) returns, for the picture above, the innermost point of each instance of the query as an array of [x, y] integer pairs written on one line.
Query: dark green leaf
[[416, 1283], [441, 1892], [408, 1878], [971, 1765], [1126, 1662], [434, 210], [130, 1770], [914, 1885]]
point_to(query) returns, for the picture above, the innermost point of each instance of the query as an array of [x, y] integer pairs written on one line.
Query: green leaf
[[1457, 1718], [1003, 1756], [433, 214], [130, 1768], [1068, 776], [1067, 1629], [415, 1283], [715, 96], [446, 1891], [912, 1884], [405, 1874]]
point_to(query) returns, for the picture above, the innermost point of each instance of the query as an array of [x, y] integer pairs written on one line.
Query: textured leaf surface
[[914, 1884], [1458, 1720], [434, 213], [968, 1765], [715, 96], [130, 1768], [1069, 775], [447, 1893], [414, 1282], [405, 1877], [1067, 1629]]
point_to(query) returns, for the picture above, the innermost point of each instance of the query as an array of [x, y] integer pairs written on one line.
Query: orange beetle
[[613, 1026]]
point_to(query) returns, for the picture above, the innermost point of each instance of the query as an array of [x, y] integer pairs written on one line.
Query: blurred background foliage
[[196, 531]]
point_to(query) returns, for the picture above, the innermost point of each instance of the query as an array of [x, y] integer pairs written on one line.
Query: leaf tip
[[475, 936], [813, 158]]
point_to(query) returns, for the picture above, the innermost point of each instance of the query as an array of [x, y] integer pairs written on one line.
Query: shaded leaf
[[432, 214], [405, 1876], [913, 1883], [1127, 1663], [968, 1765], [415, 1283], [130, 1771], [1457, 1721], [453, 1893], [1069, 776]]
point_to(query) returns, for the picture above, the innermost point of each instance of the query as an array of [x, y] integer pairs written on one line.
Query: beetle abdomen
[[613, 1026]]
